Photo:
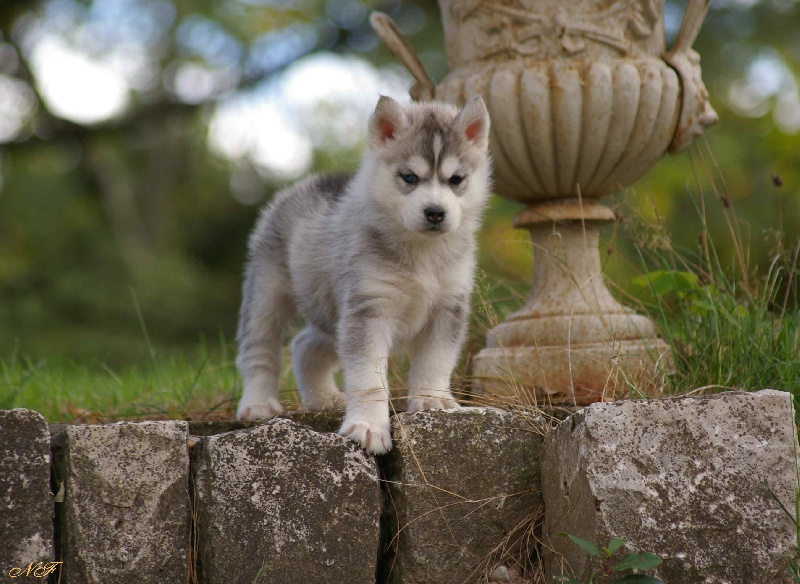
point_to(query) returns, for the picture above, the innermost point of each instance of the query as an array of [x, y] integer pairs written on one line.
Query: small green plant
[[611, 566]]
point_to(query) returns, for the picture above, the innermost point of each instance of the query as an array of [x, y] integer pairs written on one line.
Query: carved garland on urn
[[518, 31]]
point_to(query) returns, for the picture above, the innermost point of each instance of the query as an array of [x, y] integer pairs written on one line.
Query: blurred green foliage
[[101, 221]]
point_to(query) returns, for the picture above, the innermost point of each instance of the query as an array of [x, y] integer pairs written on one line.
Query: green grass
[[731, 326], [202, 384], [724, 337]]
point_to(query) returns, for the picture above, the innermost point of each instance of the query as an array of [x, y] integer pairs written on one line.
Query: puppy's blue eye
[[410, 178], [456, 180]]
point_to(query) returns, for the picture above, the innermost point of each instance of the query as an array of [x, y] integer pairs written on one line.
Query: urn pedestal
[[584, 100], [572, 342]]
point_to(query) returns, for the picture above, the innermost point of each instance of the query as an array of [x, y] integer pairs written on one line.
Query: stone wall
[[471, 496]]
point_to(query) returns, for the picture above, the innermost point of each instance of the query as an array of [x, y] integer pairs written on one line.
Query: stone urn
[[584, 100]]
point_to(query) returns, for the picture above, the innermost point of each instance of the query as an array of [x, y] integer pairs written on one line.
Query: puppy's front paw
[[416, 404], [374, 438], [259, 411]]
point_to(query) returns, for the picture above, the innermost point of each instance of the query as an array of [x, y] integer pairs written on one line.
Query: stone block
[[693, 480], [280, 503], [125, 515], [26, 504], [459, 483]]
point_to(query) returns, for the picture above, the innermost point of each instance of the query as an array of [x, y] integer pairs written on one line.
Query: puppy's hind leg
[[434, 353], [266, 308], [315, 362]]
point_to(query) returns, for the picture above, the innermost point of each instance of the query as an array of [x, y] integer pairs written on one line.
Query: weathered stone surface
[[688, 479], [327, 421], [26, 504], [125, 516], [459, 483], [286, 502]]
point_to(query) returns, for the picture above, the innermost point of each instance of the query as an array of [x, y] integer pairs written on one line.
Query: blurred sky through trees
[[137, 138]]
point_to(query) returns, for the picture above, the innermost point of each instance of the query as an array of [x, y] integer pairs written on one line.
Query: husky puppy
[[374, 262]]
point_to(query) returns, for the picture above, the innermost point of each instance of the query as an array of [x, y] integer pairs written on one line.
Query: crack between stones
[[387, 529], [192, 551]]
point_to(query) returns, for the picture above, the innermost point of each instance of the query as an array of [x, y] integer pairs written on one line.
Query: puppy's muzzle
[[434, 214]]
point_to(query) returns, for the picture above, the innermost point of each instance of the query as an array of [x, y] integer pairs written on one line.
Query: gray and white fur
[[375, 262]]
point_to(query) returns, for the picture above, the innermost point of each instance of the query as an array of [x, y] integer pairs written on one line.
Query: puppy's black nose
[[434, 214]]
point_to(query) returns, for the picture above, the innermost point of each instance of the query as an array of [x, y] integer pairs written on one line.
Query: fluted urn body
[[580, 98], [584, 99]]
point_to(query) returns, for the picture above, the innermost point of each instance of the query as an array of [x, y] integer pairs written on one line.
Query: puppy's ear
[[387, 120], [473, 122]]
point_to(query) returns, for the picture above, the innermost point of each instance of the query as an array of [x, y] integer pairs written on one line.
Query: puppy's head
[[430, 163]]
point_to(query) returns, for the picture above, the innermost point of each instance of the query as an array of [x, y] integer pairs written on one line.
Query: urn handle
[[696, 111], [424, 88], [693, 17]]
